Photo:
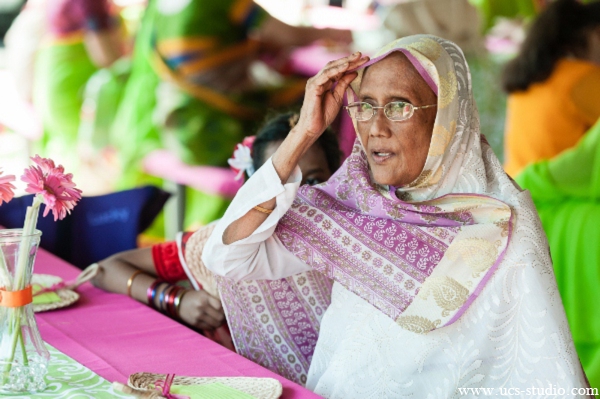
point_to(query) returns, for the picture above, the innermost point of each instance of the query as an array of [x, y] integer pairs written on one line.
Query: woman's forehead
[[391, 77]]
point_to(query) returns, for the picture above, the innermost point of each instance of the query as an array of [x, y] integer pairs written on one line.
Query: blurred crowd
[[115, 81]]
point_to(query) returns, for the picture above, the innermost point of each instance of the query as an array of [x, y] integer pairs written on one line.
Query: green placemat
[[210, 391], [47, 297], [69, 379]]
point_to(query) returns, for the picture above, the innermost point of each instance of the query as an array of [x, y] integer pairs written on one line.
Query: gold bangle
[[130, 281], [178, 300], [263, 210]]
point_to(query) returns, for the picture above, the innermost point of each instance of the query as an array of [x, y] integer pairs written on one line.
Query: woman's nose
[[380, 125]]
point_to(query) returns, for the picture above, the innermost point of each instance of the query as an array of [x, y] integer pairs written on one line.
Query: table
[[116, 336]]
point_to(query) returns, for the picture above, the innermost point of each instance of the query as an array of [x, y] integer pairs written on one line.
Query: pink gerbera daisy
[[53, 185], [6, 188]]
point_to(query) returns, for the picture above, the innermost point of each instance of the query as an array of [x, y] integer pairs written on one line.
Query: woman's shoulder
[[584, 93], [572, 70]]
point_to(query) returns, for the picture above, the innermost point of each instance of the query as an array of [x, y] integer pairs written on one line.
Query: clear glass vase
[[23, 355]]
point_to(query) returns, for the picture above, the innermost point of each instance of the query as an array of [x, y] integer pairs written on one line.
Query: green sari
[[169, 102], [61, 71], [566, 192]]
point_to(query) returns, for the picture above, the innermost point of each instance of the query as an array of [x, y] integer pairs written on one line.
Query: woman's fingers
[[343, 83], [214, 302], [343, 67], [213, 317], [358, 62], [208, 321], [336, 71], [201, 325], [330, 74], [349, 58]]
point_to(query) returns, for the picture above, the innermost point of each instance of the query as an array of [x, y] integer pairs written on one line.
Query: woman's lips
[[380, 157]]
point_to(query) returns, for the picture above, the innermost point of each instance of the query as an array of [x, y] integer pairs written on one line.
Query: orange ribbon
[[15, 299]]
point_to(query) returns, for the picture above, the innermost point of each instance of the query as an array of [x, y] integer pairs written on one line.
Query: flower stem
[[5, 280], [14, 322], [28, 228], [23, 349], [20, 276]]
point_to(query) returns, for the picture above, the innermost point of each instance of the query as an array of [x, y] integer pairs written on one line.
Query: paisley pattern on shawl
[[273, 323]]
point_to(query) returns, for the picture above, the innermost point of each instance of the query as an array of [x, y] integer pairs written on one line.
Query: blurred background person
[[553, 84], [196, 88], [566, 193], [554, 99], [82, 36], [455, 20], [22, 42]]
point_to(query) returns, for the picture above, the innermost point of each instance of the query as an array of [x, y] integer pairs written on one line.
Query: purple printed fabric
[[276, 323], [382, 249]]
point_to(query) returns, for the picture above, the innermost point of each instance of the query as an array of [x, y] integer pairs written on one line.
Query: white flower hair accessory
[[242, 158]]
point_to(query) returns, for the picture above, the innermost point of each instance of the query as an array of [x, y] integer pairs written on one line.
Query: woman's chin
[[387, 175], [387, 180]]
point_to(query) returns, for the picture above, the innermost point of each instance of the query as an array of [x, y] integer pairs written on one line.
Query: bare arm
[[116, 270], [273, 32], [198, 308], [322, 103], [104, 47]]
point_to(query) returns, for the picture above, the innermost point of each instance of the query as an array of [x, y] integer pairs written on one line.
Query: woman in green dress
[[190, 89], [82, 36], [566, 193]]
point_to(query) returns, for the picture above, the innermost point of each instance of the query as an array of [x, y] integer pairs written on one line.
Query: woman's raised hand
[[322, 102], [323, 97]]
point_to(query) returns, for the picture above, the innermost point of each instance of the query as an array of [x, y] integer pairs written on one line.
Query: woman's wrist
[[290, 152]]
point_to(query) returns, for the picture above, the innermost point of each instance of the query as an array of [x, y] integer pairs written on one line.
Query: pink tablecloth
[[116, 336]]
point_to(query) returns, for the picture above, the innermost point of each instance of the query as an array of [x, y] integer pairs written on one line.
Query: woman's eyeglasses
[[394, 111]]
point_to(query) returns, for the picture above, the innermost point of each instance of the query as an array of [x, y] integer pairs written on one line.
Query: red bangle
[[171, 300]]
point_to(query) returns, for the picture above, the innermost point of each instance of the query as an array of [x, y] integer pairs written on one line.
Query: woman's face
[[396, 150], [313, 163]]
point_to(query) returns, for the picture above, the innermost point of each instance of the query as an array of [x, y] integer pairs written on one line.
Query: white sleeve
[[261, 256]]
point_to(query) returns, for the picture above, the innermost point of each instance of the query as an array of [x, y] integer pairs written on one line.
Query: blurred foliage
[[490, 10], [490, 99]]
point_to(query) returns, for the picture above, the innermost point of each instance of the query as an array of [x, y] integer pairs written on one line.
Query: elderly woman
[[418, 270]]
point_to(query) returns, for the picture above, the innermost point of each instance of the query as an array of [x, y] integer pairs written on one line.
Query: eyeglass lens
[[396, 110]]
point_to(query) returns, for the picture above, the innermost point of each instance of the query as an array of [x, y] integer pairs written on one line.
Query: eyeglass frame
[[375, 108]]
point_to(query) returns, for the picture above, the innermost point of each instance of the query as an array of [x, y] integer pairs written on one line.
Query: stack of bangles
[[169, 297]]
